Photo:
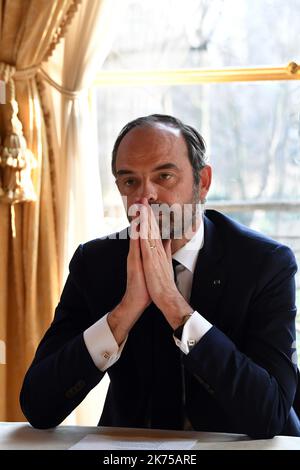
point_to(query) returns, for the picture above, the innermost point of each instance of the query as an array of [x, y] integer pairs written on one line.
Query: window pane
[[252, 134], [206, 33], [251, 130]]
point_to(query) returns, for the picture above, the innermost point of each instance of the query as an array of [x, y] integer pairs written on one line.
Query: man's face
[[153, 163]]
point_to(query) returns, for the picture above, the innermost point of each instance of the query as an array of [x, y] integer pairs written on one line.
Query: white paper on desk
[[101, 442]]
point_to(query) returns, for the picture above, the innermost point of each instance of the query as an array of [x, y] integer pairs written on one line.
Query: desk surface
[[23, 436]]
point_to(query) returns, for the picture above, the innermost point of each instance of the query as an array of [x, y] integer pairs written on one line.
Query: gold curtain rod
[[196, 76]]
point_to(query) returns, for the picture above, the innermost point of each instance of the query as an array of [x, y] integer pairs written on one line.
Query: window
[[221, 66]]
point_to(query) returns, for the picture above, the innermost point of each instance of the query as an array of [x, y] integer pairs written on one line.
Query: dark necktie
[[167, 392]]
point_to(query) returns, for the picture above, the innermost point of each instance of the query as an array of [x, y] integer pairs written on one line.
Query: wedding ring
[[152, 246]]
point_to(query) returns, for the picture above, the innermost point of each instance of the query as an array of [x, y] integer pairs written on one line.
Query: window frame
[[196, 75]]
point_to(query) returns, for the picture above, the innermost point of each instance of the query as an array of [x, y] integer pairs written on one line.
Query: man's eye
[[165, 176], [129, 183]]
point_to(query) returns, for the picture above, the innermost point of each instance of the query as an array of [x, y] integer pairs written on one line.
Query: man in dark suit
[[210, 348]]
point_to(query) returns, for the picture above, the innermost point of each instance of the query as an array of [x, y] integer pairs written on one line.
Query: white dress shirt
[[99, 339]]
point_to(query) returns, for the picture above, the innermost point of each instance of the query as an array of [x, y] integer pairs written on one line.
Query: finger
[[146, 241], [153, 233], [133, 211], [144, 222], [134, 229], [134, 242], [154, 228]]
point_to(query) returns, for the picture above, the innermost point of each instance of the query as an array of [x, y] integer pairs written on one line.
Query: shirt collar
[[187, 255]]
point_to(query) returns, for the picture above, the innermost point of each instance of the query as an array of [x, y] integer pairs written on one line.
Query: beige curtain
[[74, 66], [29, 256], [86, 46], [69, 74]]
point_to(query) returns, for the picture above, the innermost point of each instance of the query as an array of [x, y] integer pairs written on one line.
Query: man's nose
[[148, 190]]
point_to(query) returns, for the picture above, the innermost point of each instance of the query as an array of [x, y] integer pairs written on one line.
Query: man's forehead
[[157, 129], [151, 142], [168, 128]]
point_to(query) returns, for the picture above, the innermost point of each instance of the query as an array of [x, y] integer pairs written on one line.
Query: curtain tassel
[[16, 160], [16, 163]]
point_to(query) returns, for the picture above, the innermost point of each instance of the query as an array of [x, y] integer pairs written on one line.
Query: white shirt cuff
[[101, 344], [194, 329]]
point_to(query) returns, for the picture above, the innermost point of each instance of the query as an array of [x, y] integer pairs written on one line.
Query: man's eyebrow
[[124, 172], [165, 166]]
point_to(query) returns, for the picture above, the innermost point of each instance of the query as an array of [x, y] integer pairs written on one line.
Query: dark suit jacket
[[240, 377]]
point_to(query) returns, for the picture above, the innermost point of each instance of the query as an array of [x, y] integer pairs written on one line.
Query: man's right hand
[[136, 298]]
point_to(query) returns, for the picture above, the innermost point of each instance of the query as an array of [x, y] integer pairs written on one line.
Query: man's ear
[[205, 182]]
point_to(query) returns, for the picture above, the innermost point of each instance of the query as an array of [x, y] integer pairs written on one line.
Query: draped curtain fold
[[82, 53], [67, 96], [50, 197], [29, 256], [86, 46]]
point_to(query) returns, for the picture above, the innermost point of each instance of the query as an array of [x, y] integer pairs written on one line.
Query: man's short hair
[[194, 141]]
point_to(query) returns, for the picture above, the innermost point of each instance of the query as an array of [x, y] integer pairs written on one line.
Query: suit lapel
[[209, 276]]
